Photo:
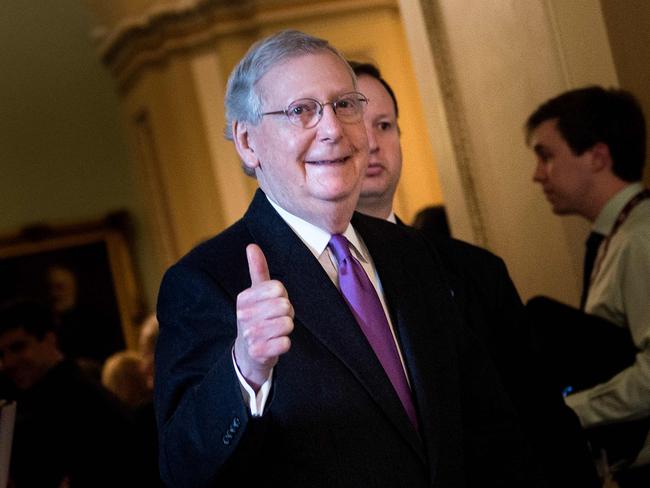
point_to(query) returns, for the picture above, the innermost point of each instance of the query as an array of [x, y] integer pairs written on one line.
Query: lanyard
[[622, 217]]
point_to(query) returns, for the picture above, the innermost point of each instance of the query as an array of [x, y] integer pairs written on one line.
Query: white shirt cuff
[[256, 402]]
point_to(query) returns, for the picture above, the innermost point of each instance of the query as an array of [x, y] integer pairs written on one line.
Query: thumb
[[257, 266]]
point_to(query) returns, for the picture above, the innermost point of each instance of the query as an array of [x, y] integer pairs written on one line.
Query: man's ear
[[244, 145], [601, 157]]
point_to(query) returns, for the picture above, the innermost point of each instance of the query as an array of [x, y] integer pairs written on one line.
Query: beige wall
[[628, 26], [496, 61]]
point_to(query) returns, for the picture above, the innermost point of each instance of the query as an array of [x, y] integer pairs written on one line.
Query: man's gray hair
[[243, 103]]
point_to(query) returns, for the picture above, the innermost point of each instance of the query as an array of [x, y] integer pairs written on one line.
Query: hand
[[264, 321]]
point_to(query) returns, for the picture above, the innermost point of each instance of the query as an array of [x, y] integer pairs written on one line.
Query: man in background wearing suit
[[268, 370], [486, 296], [69, 430], [590, 145]]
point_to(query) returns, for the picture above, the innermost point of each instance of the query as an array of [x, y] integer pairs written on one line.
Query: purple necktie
[[367, 309]]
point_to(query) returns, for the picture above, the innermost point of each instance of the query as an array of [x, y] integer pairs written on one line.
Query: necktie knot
[[340, 246], [352, 277], [594, 240]]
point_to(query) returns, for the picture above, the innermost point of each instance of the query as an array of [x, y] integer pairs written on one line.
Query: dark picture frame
[[84, 272]]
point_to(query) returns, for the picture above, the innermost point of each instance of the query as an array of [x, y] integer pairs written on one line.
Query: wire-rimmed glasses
[[307, 112]]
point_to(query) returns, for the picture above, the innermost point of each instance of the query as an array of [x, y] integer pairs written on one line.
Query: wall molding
[[454, 113], [151, 38], [153, 181]]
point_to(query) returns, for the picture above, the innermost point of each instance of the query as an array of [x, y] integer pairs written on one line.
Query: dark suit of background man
[[263, 374], [488, 299], [69, 432], [590, 145]]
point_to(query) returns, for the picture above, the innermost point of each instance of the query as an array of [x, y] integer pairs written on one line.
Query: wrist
[[253, 376]]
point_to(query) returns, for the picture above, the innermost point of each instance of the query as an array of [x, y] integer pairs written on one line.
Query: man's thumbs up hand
[[264, 321]]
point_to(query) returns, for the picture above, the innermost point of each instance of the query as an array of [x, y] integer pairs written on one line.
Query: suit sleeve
[[203, 422], [554, 430]]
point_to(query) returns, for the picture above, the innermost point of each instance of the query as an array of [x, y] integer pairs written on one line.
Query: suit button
[[226, 439], [236, 422]]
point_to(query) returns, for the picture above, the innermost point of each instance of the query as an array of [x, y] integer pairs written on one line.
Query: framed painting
[[84, 273]]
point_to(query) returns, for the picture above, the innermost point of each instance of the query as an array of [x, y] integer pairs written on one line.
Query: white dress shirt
[[316, 240], [620, 293]]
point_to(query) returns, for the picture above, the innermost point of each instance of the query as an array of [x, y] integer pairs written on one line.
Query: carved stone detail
[[454, 111], [170, 28]]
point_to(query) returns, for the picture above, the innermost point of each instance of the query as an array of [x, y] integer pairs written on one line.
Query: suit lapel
[[320, 308], [420, 316]]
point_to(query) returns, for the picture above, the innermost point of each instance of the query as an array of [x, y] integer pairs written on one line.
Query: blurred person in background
[[69, 430], [590, 145]]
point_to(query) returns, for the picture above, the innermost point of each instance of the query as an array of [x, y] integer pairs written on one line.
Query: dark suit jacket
[[69, 427], [332, 418], [490, 304]]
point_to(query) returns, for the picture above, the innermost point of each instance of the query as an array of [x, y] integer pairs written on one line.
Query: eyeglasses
[[307, 112]]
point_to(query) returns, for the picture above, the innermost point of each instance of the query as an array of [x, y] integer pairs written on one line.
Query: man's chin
[[555, 208], [561, 210], [373, 191]]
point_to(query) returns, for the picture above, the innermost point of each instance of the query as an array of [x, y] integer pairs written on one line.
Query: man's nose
[[540, 172], [329, 127], [373, 146]]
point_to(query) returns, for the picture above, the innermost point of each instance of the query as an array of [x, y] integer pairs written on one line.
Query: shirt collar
[[315, 238], [608, 215]]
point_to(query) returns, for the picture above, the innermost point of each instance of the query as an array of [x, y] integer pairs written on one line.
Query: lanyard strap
[[622, 217]]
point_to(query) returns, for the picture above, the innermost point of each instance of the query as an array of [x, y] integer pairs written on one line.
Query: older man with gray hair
[[307, 346]]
